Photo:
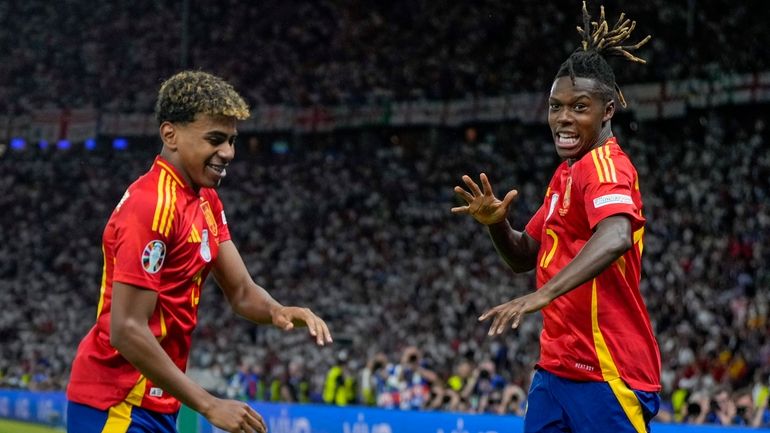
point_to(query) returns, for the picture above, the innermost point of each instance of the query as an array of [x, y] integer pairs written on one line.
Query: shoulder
[[151, 200], [605, 164]]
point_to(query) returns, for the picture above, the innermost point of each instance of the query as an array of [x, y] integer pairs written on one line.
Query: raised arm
[[517, 249], [130, 334], [254, 303]]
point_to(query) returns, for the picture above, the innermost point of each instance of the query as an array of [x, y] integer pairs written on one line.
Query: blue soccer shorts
[[121, 418], [560, 405]]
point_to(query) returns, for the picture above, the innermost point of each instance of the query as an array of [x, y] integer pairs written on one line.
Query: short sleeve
[[534, 227], [610, 188], [140, 239]]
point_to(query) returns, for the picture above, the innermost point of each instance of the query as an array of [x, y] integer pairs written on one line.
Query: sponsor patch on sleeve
[[153, 255], [224, 220], [612, 199]]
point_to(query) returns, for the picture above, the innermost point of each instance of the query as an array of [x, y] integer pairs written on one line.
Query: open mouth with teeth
[[219, 169], [567, 140]]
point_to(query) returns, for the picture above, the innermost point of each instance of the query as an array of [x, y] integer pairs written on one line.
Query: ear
[[609, 110], [168, 133]]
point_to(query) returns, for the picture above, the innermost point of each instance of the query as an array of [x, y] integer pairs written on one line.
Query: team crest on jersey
[[153, 255], [212, 223], [205, 247], [565, 202]]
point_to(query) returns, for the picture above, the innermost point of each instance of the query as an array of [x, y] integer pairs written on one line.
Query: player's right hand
[[235, 417], [483, 206]]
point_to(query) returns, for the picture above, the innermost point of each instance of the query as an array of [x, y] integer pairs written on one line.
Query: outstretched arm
[[132, 308], [254, 303], [611, 240], [518, 249]]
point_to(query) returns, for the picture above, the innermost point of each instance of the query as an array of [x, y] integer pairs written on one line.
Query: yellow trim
[[546, 259], [170, 172], [172, 209], [630, 404], [161, 181], [166, 206], [621, 262], [596, 165], [118, 418], [136, 394], [603, 160], [612, 164], [163, 331], [194, 236], [103, 287], [626, 397], [639, 239]]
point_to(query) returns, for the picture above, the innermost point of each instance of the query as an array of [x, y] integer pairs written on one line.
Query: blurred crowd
[[357, 226], [113, 55]]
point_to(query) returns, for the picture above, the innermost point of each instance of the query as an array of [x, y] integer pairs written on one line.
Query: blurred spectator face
[[576, 115], [744, 407]]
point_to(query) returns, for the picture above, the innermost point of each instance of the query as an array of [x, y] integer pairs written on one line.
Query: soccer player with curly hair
[[163, 238]]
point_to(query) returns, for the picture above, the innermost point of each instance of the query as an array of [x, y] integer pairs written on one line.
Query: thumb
[[281, 321], [509, 197]]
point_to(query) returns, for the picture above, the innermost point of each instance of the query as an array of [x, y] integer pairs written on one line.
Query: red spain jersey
[[162, 236], [600, 330]]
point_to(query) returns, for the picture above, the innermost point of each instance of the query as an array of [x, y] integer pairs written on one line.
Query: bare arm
[[517, 249], [254, 303], [132, 308], [611, 240]]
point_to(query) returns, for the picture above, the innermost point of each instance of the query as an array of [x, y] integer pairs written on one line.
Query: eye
[[580, 107], [231, 140], [553, 106]]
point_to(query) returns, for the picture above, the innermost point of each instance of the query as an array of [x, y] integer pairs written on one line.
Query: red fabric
[[101, 377], [577, 199]]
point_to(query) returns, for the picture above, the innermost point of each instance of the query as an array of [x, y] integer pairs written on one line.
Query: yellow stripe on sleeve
[[603, 161], [172, 209], [159, 205], [613, 173], [598, 167], [166, 205], [170, 172]]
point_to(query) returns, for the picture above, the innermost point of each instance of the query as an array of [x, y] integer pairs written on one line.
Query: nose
[[226, 151], [564, 117]]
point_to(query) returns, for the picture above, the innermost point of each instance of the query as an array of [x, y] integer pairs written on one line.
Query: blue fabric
[[561, 405], [86, 419]]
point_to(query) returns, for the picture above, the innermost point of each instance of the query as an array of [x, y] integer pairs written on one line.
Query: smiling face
[[201, 149], [579, 116]]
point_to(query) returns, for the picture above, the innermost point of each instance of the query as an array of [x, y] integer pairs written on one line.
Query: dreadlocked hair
[[600, 41]]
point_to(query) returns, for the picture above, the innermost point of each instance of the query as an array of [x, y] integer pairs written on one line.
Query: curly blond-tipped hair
[[188, 93]]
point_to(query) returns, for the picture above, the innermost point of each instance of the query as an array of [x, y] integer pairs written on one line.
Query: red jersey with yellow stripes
[[600, 330], [162, 236]]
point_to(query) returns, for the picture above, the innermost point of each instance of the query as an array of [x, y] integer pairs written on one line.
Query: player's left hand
[[512, 311], [287, 318]]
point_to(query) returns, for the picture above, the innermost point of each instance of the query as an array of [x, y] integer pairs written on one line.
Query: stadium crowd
[[66, 55], [357, 226]]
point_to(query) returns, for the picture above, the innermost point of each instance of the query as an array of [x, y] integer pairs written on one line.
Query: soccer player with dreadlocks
[[599, 367]]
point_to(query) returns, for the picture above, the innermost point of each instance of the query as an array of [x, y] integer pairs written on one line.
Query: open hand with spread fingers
[[287, 318], [512, 311], [482, 204]]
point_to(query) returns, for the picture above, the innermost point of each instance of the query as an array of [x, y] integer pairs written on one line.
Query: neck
[[172, 158]]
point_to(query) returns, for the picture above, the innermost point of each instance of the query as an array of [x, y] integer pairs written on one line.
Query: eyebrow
[[219, 135], [573, 100]]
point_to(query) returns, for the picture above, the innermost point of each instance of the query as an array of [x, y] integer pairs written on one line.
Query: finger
[[516, 321], [460, 209], [472, 185], [486, 185], [255, 422], [327, 334], [463, 194], [487, 314], [507, 318], [508, 199]]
